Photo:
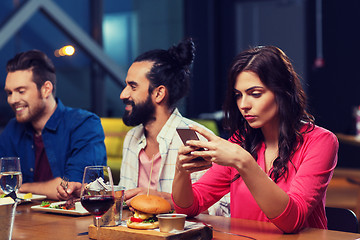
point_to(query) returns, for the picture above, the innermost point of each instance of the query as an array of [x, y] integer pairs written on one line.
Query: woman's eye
[[237, 95], [256, 94]]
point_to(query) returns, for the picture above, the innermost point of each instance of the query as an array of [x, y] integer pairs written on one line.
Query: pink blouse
[[308, 177]]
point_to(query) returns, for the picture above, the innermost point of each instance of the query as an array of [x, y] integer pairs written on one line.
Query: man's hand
[[129, 194], [73, 190], [47, 188]]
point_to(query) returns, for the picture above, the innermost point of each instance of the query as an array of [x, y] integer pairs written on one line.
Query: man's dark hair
[[41, 66], [171, 69]]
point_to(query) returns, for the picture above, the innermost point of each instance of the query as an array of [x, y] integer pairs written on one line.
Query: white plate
[[79, 209], [34, 197]]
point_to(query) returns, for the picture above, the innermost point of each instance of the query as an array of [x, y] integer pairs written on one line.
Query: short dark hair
[[41, 66], [171, 69]]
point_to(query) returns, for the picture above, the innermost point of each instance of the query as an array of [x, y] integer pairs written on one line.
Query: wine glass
[[97, 191], [10, 174]]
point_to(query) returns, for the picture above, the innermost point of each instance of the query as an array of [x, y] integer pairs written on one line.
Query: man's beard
[[140, 113], [33, 112]]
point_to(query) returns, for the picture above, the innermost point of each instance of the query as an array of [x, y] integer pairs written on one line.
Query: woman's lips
[[249, 117]]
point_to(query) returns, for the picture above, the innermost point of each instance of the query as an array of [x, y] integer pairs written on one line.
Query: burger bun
[[150, 204], [142, 225]]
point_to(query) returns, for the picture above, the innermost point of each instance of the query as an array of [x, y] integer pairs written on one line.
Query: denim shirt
[[73, 139]]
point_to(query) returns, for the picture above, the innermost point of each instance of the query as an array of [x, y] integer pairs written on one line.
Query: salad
[[64, 206]]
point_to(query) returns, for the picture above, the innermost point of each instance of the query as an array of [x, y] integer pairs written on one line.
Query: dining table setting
[[99, 213], [30, 223]]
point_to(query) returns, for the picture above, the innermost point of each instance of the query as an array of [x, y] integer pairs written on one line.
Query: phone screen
[[189, 134]]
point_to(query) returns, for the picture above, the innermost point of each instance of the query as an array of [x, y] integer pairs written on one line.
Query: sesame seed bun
[[150, 204]]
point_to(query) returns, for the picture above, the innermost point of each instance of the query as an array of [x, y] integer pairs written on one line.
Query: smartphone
[[189, 134]]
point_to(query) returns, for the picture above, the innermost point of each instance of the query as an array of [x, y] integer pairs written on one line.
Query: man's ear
[[46, 89], [160, 93]]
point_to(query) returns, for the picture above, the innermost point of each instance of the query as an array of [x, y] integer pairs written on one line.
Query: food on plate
[[64, 206], [27, 196], [45, 204], [145, 209]]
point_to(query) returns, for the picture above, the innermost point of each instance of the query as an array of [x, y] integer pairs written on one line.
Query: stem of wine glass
[[97, 222]]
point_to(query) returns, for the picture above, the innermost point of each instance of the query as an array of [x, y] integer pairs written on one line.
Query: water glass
[[10, 174], [114, 215]]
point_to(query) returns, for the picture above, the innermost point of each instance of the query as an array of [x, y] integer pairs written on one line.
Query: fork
[[64, 183]]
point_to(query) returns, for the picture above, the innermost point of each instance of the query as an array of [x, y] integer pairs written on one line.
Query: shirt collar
[[53, 121], [56, 117], [168, 130]]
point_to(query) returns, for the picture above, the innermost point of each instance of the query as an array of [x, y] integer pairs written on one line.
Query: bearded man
[[155, 83], [52, 141]]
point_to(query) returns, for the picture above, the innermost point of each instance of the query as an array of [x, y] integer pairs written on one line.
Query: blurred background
[[321, 37]]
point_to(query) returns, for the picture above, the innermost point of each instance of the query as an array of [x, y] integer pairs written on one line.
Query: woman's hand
[[218, 150], [188, 163]]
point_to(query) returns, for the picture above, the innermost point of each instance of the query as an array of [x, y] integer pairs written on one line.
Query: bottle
[[357, 117]]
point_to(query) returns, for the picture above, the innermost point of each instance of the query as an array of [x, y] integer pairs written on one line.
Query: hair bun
[[183, 53]]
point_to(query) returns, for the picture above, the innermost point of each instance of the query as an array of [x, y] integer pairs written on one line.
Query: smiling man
[[52, 141], [155, 83]]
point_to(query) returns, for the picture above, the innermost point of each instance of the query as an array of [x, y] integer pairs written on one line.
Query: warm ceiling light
[[65, 51], [68, 50]]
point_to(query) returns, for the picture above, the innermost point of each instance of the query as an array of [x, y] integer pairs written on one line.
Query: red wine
[[97, 205]]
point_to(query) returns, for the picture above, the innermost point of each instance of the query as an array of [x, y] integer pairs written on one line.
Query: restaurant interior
[[93, 42]]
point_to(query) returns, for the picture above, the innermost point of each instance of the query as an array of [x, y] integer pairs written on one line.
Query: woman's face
[[255, 101]]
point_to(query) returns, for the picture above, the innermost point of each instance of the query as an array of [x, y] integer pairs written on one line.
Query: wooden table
[[39, 225]]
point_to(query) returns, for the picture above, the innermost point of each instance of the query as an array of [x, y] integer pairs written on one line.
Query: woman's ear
[[46, 89]]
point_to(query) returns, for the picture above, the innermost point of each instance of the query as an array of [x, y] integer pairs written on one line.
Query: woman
[[284, 161]]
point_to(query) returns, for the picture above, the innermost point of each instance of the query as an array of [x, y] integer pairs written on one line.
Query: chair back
[[341, 219]]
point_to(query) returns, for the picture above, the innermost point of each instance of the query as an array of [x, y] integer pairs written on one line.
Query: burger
[[145, 208]]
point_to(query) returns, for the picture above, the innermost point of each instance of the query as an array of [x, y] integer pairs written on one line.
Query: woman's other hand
[[218, 150]]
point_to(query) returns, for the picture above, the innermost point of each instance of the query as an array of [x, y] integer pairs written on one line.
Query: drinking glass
[[10, 174], [97, 191]]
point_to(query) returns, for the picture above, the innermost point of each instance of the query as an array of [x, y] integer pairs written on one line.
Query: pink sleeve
[[316, 160], [212, 186]]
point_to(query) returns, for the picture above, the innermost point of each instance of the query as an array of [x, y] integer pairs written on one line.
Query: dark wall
[[211, 24], [334, 89]]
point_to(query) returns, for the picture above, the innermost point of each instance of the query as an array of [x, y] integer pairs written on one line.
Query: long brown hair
[[277, 73]]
